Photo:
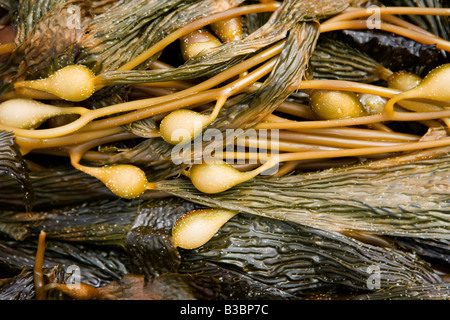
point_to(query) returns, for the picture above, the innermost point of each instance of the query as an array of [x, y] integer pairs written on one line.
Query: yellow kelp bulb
[[434, 86], [72, 83], [331, 104], [217, 176], [124, 180], [229, 29], [197, 43], [403, 80], [197, 227], [27, 113], [182, 126]]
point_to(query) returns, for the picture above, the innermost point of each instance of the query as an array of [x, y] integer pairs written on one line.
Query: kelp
[[435, 24], [249, 109], [28, 15], [13, 164], [40, 53], [127, 264], [438, 249], [142, 269], [384, 200], [151, 252], [332, 59], [307, 198], [53, 187], [229, 54], [394, 51], [251, 262], [153, 155], [291, 66], [99, 222], [298, 259], [96, 266], [103, 223], [104, 271], [165, 287], [21, 286], [300, 234], [253, 107], [114, 38], [236, 285]]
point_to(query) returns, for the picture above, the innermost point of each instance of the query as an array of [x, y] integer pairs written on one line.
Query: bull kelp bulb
[[228, 29], [197, 227], [30, 114], [333, 104], [217, 176], [71, 83], [182, 125], [403, 80], [197, 43], [434, 86], [124, 180]]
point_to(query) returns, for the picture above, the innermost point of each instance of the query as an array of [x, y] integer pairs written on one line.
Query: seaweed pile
[[224, 149]]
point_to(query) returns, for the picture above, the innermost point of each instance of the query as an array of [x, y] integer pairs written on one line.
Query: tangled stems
[[432, 87], [195, 94], [117, 177], [231, 13], [135, 105], [165, 105], [353, 13], [382, 117], [38, 88], [219, 176], [28, 144]]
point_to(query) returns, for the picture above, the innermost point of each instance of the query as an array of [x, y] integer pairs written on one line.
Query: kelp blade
[[409, 199], [12, 164]]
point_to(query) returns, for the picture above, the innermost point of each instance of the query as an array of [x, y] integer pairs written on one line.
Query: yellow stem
[[28, 144], [37, 271], [359, 133], [296, 109], [382, 117], [411, 146], [353, 13], [310, 142], [405, 24], [347, 86], [322, 154]]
